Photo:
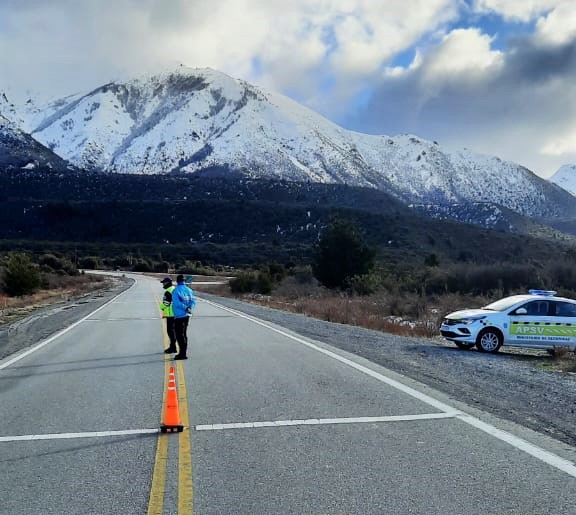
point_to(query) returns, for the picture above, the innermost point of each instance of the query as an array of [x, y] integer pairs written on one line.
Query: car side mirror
[[521, 311]]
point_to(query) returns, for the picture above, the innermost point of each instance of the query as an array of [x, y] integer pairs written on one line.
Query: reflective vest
[[166, 304]]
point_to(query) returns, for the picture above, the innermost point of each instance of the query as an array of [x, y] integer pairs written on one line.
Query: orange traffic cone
[[171, 422]]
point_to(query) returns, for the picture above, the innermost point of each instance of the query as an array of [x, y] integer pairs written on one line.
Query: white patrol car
[[538, 320]]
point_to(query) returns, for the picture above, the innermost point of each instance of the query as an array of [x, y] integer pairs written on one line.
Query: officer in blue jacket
[[183, 302]]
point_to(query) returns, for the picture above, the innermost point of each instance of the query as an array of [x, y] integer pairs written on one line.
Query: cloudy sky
[[494, 76]]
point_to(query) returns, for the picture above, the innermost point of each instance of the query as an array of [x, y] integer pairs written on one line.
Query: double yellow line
[[185, 487]]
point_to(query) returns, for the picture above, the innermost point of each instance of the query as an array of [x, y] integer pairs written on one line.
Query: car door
[[530, 323], [563, 328]]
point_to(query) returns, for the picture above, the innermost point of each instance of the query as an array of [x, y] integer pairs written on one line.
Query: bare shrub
[[59, 288], [568, 365], [452, 302], [392, 311], [565, 358], [404, 314], [72, 283], [294, 288], [222, 290], [561, 353]]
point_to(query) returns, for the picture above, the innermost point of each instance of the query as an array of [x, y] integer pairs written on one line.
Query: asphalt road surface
[[276, 423]]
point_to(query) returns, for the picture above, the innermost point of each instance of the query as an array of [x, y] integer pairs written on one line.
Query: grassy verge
[[400, 313], [59, 289]]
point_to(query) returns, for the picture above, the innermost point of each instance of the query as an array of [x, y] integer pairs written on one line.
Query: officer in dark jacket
[[168, 314]]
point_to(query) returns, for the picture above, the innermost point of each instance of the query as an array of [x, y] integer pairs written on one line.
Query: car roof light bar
[[542, 292]]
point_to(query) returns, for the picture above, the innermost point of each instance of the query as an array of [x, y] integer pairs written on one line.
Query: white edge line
[[324, 421], [66, 436], [547, 457], [60, 333], [535, 451], [396, 384]]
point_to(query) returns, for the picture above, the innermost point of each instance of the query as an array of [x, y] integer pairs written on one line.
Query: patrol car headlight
[[471, 320]]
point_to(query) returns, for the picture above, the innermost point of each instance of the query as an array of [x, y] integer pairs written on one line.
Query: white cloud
[[555, 19], [559, 26], [519, 10], [561, 145], [463, 54], [517, 104], [274, 43], [376, 31], [399, 71]]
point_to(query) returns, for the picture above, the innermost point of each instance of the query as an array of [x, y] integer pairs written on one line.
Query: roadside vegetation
[[27, 283], [346, 284], [340, 278]]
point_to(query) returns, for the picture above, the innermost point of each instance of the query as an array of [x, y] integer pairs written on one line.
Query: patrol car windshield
[[504, 304]]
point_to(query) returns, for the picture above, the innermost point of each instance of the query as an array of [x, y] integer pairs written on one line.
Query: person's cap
[[166, 280], [180, 279]]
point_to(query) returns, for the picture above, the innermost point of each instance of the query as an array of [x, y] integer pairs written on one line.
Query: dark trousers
[[180, 328], [171, 332]]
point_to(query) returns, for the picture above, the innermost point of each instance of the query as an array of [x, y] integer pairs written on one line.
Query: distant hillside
[[194, 212]]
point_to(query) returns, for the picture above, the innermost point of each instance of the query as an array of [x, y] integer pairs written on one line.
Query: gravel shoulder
[[506, 384]]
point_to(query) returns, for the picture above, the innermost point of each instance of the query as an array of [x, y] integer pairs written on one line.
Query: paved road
[[278, 424]]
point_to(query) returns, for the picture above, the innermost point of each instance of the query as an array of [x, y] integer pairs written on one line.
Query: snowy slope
[[565, 177], [200, 120], [20, 150]]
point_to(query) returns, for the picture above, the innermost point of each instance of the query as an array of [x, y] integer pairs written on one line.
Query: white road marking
[[136, 302], [537, 452], [399, 386], [67, 436], [6, 364], [121, 319], [324, 421], [206, 282]]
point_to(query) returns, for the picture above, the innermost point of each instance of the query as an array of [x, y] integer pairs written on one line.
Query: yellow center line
[[156, 502], [185, 488]]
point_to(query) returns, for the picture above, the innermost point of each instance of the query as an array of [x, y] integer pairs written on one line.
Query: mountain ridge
[[21, 151], [565, 177], [200, 121]]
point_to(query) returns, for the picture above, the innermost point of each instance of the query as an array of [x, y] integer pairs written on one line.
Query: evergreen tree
[[341, 255], [20, 277]]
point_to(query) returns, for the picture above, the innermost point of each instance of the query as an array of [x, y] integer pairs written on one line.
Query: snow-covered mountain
[[19, 150], [565, 177], [202, 121]]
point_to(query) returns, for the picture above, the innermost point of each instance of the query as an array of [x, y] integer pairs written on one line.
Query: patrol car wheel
[[464, 345], [489, 340]]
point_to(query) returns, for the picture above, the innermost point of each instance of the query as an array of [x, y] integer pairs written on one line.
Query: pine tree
[[341, 255]]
